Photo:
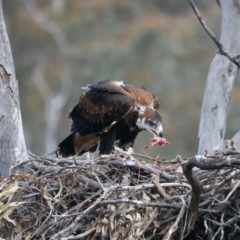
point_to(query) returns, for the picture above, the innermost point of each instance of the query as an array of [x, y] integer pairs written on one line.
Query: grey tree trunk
[[220, 81], [12, 144], [236, 139]]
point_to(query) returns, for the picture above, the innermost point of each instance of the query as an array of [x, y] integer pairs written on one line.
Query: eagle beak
[[158, 132]]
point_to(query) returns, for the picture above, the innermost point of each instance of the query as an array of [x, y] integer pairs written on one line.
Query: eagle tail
[[75, 144], [66, 147]]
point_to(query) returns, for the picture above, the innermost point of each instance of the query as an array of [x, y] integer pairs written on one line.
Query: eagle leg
[[128, 141], [107, 140], [127, 153]]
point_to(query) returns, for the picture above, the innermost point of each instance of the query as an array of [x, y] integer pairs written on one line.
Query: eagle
[[110, 114]]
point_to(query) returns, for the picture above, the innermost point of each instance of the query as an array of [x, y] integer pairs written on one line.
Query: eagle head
[[151, 120]]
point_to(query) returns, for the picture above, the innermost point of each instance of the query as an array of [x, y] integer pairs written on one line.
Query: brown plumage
[[111, 113]]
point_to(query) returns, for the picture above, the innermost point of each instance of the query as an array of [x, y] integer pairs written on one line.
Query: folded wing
[[101, 106]]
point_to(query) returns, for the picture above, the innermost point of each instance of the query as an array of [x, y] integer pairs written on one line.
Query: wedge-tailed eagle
[[110, 113]]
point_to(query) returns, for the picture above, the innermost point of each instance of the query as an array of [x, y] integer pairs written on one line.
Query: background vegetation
[[158, 44]]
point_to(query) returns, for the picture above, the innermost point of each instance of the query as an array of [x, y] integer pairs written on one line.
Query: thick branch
[[196, 194]]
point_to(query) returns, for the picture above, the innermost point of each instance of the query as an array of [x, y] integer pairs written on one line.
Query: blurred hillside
[[60, 46]]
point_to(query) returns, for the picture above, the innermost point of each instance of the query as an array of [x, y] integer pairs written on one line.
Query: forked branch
[[221, 49]]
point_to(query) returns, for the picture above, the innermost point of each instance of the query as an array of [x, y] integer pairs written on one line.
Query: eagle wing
[[142, 96], [103, 105]]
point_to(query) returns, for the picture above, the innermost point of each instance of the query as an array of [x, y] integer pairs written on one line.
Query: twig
[[140, 203], [143, 156], [82, 234], [153, 215], [228, 178], [100, 183], [174, 226], [207, 230], [230, 194], [74, 226], [221, 49], [39, 231], [196, 193], [215, 235], [222, 229], [155, 179]]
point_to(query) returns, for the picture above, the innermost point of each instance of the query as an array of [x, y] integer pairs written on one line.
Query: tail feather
[[66, 147], [75, 144]]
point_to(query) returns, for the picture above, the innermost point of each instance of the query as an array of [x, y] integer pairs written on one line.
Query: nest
[[122, 196]]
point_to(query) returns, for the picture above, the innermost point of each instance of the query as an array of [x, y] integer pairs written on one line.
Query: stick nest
[[122, 197]]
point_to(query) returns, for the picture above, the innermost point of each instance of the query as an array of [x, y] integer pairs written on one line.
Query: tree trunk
[[220, 81], [12, 144], [236, 139]]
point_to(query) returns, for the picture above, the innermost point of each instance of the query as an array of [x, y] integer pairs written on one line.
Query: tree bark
[[236, 139], [12, 144], [220, 81]]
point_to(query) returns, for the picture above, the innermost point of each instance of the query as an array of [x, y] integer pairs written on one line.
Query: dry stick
[[212, 163], [204, 164], [140, 203], [39, 231], [222, 229], [161, 191], [100, 183], [206, 227], [78, 207], [221, 49], [214, 222], [155, 159], [82, 234], [153, 215], [155, 179], [196, 194], [215, 235], [230, 194], [26, 161], [89, 182], [75, 224], [104, 175], [228, 178], [143, 156], [174, 227], [136, 164]]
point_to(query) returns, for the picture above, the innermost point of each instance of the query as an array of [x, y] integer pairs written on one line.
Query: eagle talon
[[103, 156], [117, 150], [128, 153]]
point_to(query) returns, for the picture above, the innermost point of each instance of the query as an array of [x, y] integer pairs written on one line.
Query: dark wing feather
[[99, 107]]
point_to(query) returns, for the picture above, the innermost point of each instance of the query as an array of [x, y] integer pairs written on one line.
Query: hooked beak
[[158, 132]]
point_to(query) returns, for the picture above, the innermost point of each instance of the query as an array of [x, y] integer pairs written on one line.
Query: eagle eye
[[151, 123]]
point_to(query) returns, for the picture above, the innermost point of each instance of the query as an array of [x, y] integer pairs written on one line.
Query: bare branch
[[221, 49], [196, 194], [174, 226]]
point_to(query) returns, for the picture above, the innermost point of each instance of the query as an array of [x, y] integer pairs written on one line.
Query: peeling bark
[[12, 144], [220, 81]]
